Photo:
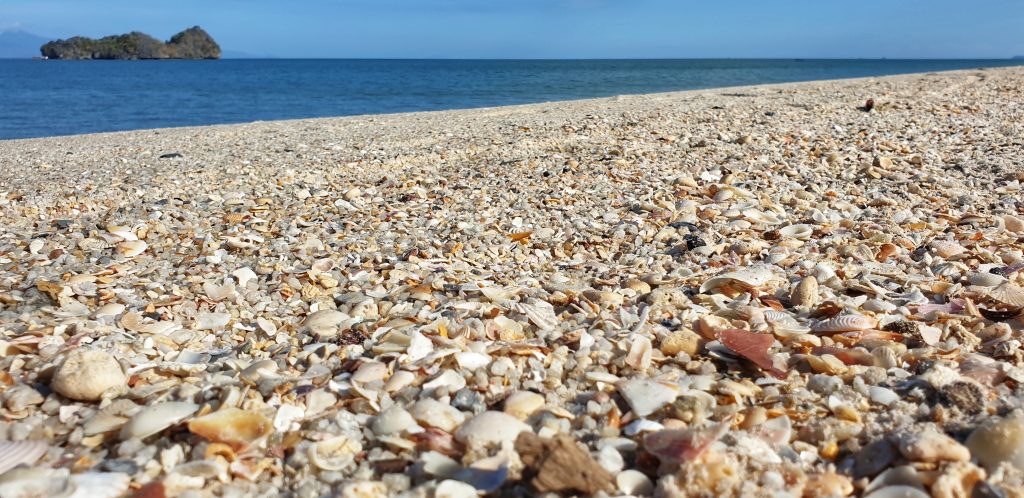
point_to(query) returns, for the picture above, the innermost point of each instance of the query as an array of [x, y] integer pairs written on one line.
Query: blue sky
[[553, 28]]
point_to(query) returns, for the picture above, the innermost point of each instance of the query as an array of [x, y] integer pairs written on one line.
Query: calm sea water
[[44, 98]]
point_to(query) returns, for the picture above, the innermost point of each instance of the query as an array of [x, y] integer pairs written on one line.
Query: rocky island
[[193, 43]]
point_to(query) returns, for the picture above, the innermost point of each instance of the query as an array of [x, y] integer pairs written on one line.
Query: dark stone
[[469, 400], [693, 241], [965, 395], [904, 327], [127, 466], [170, 155]]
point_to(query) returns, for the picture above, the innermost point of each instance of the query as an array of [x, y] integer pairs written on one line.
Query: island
[[193, 43]]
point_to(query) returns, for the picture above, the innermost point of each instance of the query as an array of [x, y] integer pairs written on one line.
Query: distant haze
[[550, 28]]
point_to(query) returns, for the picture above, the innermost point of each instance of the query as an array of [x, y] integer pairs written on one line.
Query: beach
[[803, 289]]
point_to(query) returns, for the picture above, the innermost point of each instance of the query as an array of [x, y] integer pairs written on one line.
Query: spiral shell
[[845, 323]]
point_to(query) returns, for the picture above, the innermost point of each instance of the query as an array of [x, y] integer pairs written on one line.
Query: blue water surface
[[45, 98]]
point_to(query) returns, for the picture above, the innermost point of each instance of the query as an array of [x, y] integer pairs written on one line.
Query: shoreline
[[745, 291], [668, 94]]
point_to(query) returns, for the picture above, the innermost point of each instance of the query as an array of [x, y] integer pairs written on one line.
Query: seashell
[[946, 249], [40, 482], [236, 428], [903, 476], [334, 454], [212, 321], [540, 313], [679, 446], [639, 357], [1008, 294], [14, 453], [604, 299], [88, 375], [490, 428], [132, 248], [897, 492], [394, 420], [985, 279], [125, 232], [522, 404], [472, 361], [399, 380], [324, 323], [647, 396], [805, 293], [432, 413], [800, 231], [155, 418], [750, 277], [1013, 223], [634, 483], [845, 323], [997, 442]]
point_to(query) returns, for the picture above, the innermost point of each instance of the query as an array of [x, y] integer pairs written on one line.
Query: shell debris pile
[[766, 292]]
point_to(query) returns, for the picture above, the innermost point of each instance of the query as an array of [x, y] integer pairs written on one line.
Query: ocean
[[47, 98]]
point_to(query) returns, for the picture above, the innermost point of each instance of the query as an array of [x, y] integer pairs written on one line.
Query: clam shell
[[334, 454], [232, 426], [14, 453], [132, 248], [845, 323], [156, 418]]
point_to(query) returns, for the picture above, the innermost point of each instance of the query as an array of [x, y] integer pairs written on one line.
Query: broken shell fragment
[[234, 427]]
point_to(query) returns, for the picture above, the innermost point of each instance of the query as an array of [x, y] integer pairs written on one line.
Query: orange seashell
[[516, 237], [885, 252], [234, 427]]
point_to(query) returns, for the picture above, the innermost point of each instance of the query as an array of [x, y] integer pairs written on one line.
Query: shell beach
[[782, 290]]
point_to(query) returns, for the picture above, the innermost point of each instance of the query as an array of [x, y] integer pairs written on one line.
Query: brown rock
[[559, 465]]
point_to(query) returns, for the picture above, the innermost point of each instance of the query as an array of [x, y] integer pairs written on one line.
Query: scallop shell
[[540, 313], [799, 231], [14, 453], [845, 323], [1008, 294]]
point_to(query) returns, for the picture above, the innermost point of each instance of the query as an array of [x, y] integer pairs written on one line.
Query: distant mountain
[[19, 44], [1018, 57], [193, 43]]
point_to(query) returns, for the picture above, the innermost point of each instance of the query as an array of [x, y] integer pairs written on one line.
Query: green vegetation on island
[[193, 43]]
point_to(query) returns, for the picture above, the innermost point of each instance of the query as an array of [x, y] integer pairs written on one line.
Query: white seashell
[[324, 323], [647, 396], [540, 313], [439, 465], [394, 420], [99, 485], [472, 361], [882, 395], [40, 482], [109, 310], [801, 231], [430, 412], [985, 279], [522, 404], [244, 275], [212, 321], [450, 379], [399, 380], [334, 454], [634, 483], [897, 492], [901, 476], [371, 371], [450, 488], [845, 323], [14, 453], [754, 276], [490, 428], [640, 351], [124, 232], [946, 249], [156, 418], [132, 248], [641, 425]]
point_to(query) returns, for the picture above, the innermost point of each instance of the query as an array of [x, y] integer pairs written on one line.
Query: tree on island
[[193, 43]]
